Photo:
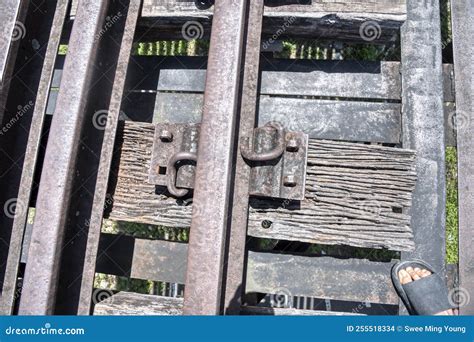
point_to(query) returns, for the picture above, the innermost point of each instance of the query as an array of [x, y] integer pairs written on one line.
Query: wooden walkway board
[[271, 273], [354, 195], [340, 20], [135, 304], [321, 277], [161, 92]]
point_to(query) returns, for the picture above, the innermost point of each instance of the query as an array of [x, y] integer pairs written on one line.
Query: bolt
[[289, 181], [166, 136], [292, 145]]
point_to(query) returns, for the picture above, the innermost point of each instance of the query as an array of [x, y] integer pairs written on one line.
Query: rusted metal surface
[[248, 147], [282, 177], [235, 268], [132, 9], [41, 275], [277, 157], [12, 30], [171, 141], [9, 11], [213, 186], [462, 12], [29, 166]]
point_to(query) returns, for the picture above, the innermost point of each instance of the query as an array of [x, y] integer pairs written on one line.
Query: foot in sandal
[[421, 289]]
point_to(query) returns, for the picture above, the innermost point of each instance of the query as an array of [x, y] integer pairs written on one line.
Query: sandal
[[425, 296]]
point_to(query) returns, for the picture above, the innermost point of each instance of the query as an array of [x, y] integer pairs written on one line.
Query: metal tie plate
[[277, 158]]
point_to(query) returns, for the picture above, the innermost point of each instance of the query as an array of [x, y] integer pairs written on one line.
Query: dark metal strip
[[29, 166], [213, 185], [100, 194], [41, 275], [296, 275], [462, 12], [423, 128], [235, 265]]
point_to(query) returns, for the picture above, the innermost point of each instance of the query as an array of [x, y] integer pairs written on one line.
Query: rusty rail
[[215, 164], [41, 275]]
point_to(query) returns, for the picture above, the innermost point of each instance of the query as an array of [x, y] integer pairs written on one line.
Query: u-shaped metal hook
[[172, 172], [247, 146]]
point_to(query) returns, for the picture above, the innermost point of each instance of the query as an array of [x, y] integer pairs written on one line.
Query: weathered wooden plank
[[169, 269], [267, 311], [307, 276], [329, 19], [341, 79], [463, 41], [135, 304], [321, 119], [350, 195], [185, 108], [381, 80], [337, 120], [378, 80], [344, 279], [423, 128], [176, 8]]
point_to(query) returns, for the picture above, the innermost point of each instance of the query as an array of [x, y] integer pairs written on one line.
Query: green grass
[[452, 242]]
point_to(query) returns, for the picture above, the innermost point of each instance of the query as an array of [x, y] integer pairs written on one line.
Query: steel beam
[[41, 274], [235, 265], [95, 223], [29, 166], [214, 170], [12, 30], [462, 12], [423, 128]]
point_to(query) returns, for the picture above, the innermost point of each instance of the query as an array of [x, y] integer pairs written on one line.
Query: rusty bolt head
[[292, 145], [166, 136], [289, 181]]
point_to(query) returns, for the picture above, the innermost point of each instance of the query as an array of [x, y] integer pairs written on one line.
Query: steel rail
[[215, 165], [41, 274], [12, 30], [31, 155], [235, 265], [97, 213]]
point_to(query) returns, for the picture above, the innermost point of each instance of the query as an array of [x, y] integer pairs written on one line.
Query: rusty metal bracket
[[277, 158], [174, 153]]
